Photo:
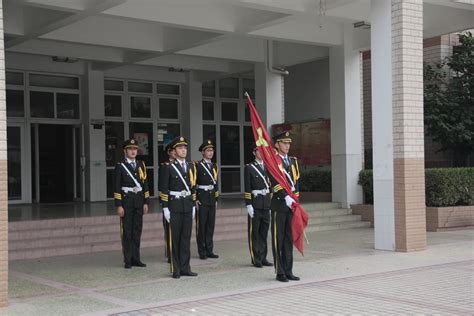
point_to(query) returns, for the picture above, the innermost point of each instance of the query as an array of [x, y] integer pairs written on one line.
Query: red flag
[[274, 166]]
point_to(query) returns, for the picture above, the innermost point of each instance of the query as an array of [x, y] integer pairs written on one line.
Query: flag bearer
[[257, 199], [131, 199], [178, 198], [207, 196], [282, 239]]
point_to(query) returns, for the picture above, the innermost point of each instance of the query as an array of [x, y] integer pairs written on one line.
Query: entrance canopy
[[213, 37]]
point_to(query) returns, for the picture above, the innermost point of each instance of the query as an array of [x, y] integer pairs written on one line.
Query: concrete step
[[45, 238], [337, 226]]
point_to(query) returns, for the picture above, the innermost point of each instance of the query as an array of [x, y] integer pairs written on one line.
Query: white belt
[[206, 187], [129, 189], [260, 192], [180, 194]]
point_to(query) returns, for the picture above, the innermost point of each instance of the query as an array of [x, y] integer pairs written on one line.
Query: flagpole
[[306, 238]]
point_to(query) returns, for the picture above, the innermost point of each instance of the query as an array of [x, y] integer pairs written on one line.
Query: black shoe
[[281, 278], [139, 264], [127, 266], [267, 263], [202, 257], [190, 273], [292, 277], [176, 275], [212, 256], [258, 265]]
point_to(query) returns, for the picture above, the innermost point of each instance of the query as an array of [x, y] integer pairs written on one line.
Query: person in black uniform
[[131, 199], [171, 156], [257, 199], [178, 197], [282, 238], [207, 196]]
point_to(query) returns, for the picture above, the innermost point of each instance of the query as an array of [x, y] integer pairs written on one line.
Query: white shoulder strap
[[209, 173], [181, 177], [261, 175], [131, 175]]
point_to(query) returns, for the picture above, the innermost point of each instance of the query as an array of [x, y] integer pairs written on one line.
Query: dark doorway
[[55, 163]]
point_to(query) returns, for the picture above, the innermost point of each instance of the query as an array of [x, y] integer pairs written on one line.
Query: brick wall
[[3, 176]]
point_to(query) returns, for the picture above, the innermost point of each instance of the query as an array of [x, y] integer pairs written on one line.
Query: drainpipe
[[269, 61]]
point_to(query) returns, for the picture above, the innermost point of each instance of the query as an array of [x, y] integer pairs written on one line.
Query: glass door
[[17, 183]]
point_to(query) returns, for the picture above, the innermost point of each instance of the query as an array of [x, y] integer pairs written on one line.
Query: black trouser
[[131, 228], [166, 231], [282, 242], [257, 235], [180, 227], [205, 223]]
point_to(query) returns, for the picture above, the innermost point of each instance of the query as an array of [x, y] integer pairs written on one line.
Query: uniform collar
[[129, 161]]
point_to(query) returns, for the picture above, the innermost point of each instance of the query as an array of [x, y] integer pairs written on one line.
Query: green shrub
[[315, 180], [443, 186]]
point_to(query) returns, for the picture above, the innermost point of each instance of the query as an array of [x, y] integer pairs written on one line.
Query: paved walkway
[[341, 274]]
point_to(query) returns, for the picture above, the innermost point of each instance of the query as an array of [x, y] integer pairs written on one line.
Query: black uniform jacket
[[123, 179], [171, 181], [279, 194], [254, 181], [204, 178]]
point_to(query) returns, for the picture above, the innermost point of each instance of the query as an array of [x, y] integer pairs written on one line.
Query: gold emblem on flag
[[261, 141]]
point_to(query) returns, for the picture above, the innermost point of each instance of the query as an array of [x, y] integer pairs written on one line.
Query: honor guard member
[[131, 199], [207, 195], [282, 214], [257, 199], [178, 198], [171, 156]]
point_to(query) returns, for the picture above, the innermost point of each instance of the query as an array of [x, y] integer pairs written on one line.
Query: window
[[166, 133], [208, 110], [67, 105], [15, 103], [113, 105], [140, 107], [162, 88], [62, 82], [143, 134], [249, 144], [113, 85], [230, 179], [209, 89], [14, 78], [209, 132], [249, 86], [42, 104], [143, 87], [114, 138], [229, 88], [229, 111], [168, 108], [230, 145]]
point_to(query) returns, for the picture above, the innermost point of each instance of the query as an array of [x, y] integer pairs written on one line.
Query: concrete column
[[3, 176], [93, 109], [192, 115], [397, 120], [346, 121], [269, 96]]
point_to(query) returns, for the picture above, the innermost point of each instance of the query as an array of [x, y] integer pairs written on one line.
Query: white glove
[[194, 212], [289, 201], [166, 212], [250, 210]]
